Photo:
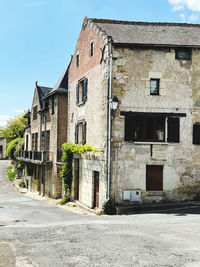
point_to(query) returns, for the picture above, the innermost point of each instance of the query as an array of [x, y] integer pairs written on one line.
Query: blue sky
[[37, 38]]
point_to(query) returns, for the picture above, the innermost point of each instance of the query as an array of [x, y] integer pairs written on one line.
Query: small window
[[154, 86], [52, 105], [33, 141], [35, 113], [196, 134], [80, 133], [154, 178], [182, 54], [77, 60], [91, 48], [81, 91]]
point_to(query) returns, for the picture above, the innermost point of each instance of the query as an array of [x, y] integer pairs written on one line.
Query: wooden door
[[154, 178], [96, 189]]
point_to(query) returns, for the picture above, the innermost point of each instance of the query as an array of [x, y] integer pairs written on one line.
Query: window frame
[[186, 50], [81, 91], [157, 86], [91, 48], [35, 108], [77, 60], [83, 124]]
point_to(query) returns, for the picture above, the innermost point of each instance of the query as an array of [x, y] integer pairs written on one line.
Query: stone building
[[44, 135], [2, 147], [134, 94]]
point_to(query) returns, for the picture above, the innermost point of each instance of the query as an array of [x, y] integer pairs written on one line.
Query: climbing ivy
[[68, 150]]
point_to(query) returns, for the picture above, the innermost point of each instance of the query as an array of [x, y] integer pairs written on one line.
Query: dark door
[[1, 152], [96, 189], [154, 178], [76, 180]]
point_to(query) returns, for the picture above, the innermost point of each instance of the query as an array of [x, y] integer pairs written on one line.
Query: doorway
[[96, 189]]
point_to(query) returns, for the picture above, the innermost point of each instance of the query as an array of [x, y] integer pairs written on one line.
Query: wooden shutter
[[128, 129], [173, 130], [84, 133], [77, 93], [76, 133], [196, 134], [85, 81]]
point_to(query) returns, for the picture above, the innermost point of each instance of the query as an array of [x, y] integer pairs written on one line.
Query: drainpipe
[[109, 124]]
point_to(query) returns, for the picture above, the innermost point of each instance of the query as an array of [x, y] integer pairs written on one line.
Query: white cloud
[[3, 120], [193, 18], [179, 7], [193, 5], [182, 17]]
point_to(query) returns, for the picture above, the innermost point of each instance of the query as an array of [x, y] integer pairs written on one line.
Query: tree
[[14, 128]]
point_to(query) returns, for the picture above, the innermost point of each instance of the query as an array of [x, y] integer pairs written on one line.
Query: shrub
[[12, 147], [11, 173], [18, 147]]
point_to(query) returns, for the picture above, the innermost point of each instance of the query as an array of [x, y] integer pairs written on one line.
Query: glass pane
[[160, 129], [154, 89]]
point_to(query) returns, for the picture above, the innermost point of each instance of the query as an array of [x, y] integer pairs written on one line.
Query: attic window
[[91, 48], [77, 60], [154, 86], [35, 113], [182, 54]]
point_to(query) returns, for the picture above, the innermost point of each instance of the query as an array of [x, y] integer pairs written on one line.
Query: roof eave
[[152, 45]]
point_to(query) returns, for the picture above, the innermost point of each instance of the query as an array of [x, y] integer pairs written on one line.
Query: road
[[35, 234]]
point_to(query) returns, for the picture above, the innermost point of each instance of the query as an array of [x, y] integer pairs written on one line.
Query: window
[[52, 105], [154, 178], [182, 54], [196, 134], [35, 113], [151, 129], [154, 86], [77, 60], [80, 133], [81, 91], [33, 141], [91, 48]]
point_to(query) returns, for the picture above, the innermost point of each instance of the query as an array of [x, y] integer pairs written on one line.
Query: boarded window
[[81, 91], [154, 86], [173, 130], [196, 134], [154, 178], [35, 113]]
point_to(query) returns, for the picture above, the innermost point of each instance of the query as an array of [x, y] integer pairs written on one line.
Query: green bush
[[11, 173], [18, 147], [12, 147]]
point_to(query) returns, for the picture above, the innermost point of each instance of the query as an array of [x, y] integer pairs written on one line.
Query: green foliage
[[11, 173], [14, 128], [18, 147], [12, 147], [22, 184], [66, 172], [63, 201]]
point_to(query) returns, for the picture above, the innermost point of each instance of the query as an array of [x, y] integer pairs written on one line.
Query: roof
[[149, 33], [42, 92], [61, 86]]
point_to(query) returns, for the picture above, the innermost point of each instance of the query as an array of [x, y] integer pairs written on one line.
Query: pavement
[[35, 233]]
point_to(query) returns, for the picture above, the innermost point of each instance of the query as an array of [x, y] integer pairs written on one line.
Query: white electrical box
[[133, 195]]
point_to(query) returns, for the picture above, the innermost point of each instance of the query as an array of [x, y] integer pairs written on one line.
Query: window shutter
[[85, 81], [84, 133], [196, 134], [76, 133], [173, 130], [128, 129], [77, 93]]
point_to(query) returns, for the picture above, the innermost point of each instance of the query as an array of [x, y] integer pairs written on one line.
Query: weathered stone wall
[[179, 89]]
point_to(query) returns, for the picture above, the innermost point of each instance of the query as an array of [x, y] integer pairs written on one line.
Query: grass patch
[[11, 173], [63, 201]]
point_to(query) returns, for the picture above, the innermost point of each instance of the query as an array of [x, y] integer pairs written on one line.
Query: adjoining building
[[2, 147], [44, 135]]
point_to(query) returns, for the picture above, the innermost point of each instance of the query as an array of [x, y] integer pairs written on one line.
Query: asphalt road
[[35, 234]]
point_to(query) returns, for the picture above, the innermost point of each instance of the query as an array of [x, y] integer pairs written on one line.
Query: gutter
[[109, 125]]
